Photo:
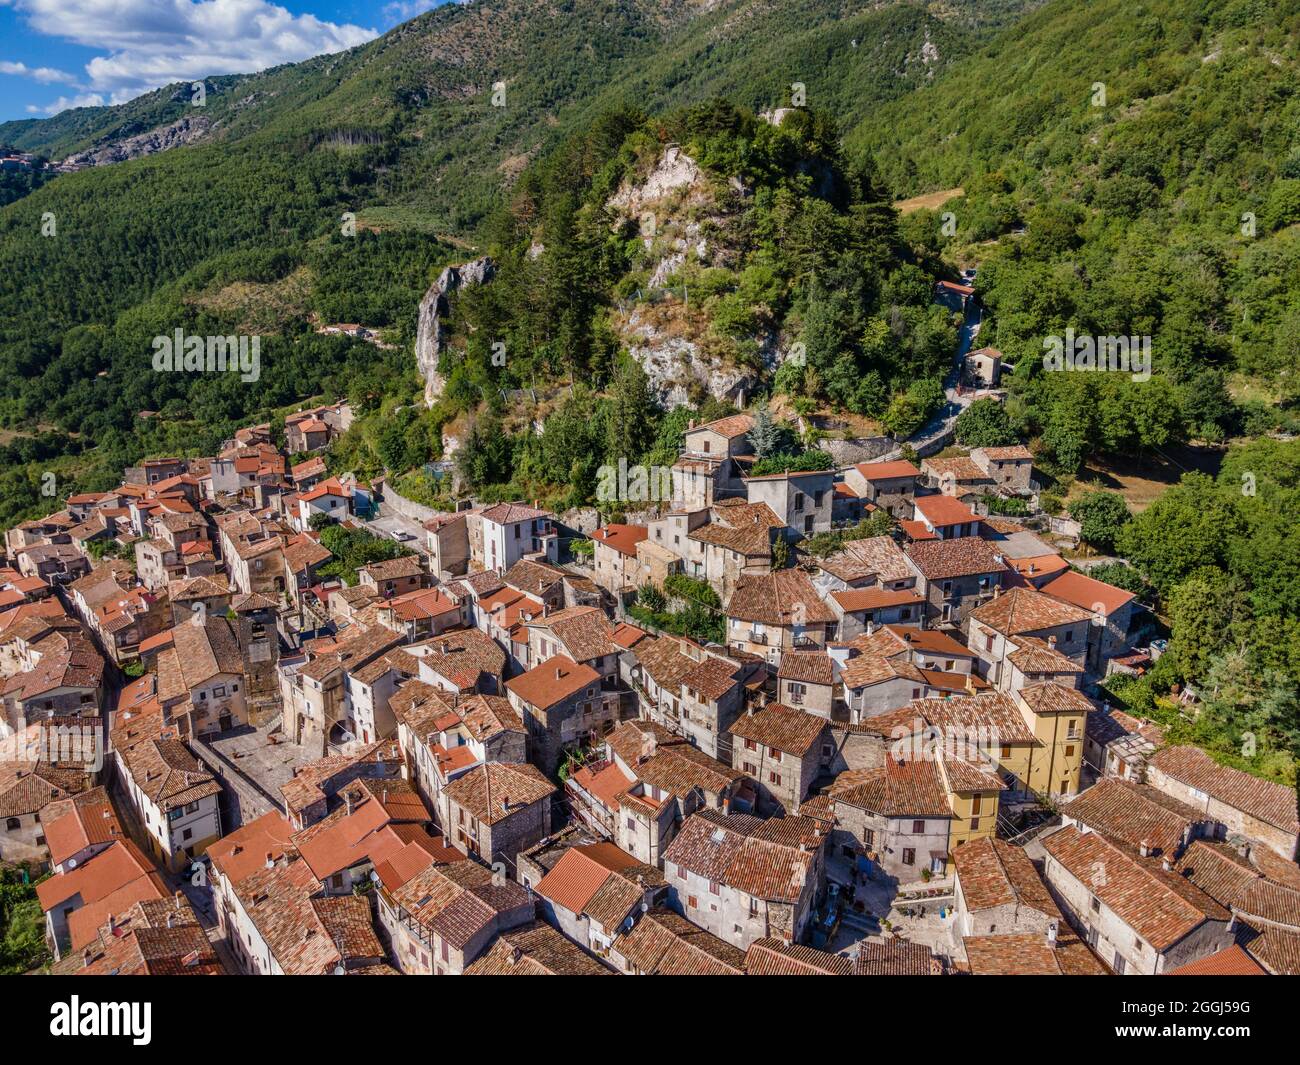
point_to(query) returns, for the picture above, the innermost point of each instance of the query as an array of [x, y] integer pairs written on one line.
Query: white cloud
[[148, 43], [45, 75], [84, 99], [403, 10]]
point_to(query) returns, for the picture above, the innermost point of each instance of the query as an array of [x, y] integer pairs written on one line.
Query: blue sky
[[65, 53]]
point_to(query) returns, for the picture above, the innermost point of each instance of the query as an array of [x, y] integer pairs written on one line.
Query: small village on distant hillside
[[262, 719]]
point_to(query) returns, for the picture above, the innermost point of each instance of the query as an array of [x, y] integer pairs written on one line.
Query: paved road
[[942, 423]]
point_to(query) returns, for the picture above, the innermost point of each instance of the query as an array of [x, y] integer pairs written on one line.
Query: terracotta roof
[[781, 727], [247, 849], [552, 681], [811, 667], [459, 901], [510, 513], [108, 883], [663, 943], [160, 763], [1029, 955], [994, 873], [536, 950], [512, 788], [155, 937], [941, 510], [1217, 869], [959, 467], [732, 426], [1159, 906], [785, 597], [622, 538], [906, 789], [767, 859], [1232, 961], [775, 957], [963, 556], [876, 557], [1003, 454], [993, 710], [1133, 813], [394, 568], [893, 957], [71, 825], [599, 881], [855, 599], [885, 471], [584, 632], [1274, 804], [532, 577], [1022, 610], [1086, 592]]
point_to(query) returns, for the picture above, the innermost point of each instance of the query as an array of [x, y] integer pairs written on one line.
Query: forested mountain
[[243, 227]]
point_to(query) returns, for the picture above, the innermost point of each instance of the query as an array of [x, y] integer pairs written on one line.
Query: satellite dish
[[71, 863]]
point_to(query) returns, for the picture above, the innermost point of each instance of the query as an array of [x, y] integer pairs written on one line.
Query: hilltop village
[[261, 719]]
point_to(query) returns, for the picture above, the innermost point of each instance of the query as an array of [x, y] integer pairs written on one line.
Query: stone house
[[780, 748], [743, 879]]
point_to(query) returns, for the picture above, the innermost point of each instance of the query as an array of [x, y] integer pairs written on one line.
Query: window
[[774, 754], [715, 888], [774, 778], [975, 804], [1096, 904], [187, 834], [974, 823], [909, 856], [918, 827], [219, 691], [631, 824], [1137, 943], [753, 908], [1006, 750], [692, 902], [988, 641], [749, 768], [1119, 964], [12, 824], [1069, 750]]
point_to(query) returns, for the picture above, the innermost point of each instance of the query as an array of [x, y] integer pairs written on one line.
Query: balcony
[[756, 637]]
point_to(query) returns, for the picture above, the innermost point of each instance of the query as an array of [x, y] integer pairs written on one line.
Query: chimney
[[1051, 642], [170, 921], [1167, 865], [270, 860], [86, 958], [505, 804], [1144, 848], [1051, 933], [997, 590], [350, 798], [179, 898]]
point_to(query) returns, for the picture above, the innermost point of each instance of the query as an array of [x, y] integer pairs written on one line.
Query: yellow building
[[1058, 717], [973, 794]]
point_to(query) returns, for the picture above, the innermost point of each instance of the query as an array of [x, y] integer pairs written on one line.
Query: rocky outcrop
[[679, 372], [431, 332], [674, 170], [183, 131]]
